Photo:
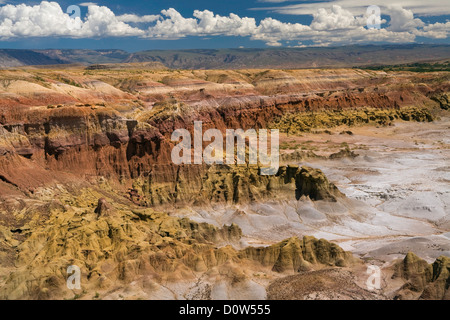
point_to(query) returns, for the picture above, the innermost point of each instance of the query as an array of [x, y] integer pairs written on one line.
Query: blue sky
[[172, 24]]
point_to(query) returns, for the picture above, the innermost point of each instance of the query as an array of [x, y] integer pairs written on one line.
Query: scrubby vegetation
[[413, 67]]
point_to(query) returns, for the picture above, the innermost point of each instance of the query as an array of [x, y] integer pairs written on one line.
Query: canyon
[[86, 179]]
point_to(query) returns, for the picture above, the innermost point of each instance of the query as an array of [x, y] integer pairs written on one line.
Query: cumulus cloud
[[437, 30], [272, 31], [403, 19], [138, 19], [334, 25], [33, 21], [48, 19], [336, 18], [101, 21], [174, 25]]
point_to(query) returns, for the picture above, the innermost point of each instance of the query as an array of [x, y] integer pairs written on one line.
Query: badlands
[[86, 179]]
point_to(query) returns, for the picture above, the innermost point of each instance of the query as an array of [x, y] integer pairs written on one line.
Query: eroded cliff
[[86, 170]]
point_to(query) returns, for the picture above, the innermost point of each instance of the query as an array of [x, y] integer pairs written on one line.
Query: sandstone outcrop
[[296, 255], [443, 100], [233, 184], [293, 123], [112, 250], [423, 280], [103, 207]]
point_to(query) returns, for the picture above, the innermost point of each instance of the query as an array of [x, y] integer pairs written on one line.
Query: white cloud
[[419, 7], [436, 31], [403, 20], [101, 21], [173, 26], [87, 4], [337, 18], [28, 21], [274, 44], [272, 31], [231, 25], [330, 26], [138, 19], [48, 19], [204, 23], [337, 27]]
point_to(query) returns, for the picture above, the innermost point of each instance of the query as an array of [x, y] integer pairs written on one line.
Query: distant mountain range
[[10, 58], [283, 58]]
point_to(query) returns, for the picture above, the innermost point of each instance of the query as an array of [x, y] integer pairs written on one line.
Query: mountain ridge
[[242, 58]]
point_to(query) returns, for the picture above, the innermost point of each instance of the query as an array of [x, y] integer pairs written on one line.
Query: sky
[[135, 25]]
